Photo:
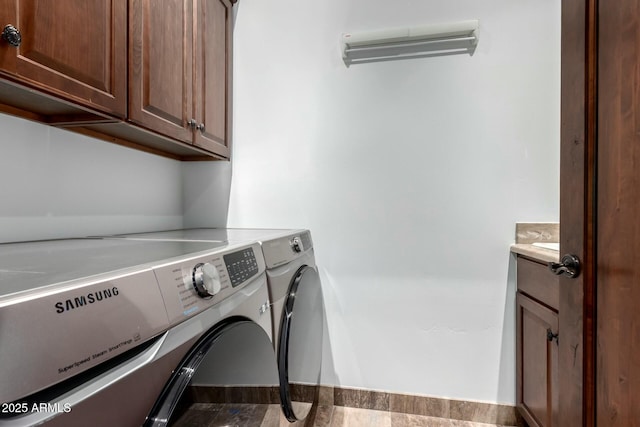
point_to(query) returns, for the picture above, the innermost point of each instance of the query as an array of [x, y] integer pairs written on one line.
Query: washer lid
[[32, 265], [237, 235]]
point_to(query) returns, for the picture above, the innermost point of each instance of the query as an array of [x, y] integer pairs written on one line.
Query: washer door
[[300, 344], [235, 353]]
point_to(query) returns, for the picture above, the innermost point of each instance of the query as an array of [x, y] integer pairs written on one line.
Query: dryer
[[108, 332], [298, 316], [296, 300]]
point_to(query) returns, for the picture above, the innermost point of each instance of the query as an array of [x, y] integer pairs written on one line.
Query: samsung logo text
[[83, 300]]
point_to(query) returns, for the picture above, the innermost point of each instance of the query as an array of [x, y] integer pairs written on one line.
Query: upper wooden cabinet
[[212, 74], [149, 74], [74, 49], [180, 69], [160, 64]]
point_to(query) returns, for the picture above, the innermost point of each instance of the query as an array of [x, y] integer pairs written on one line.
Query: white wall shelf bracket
[[417, 42]]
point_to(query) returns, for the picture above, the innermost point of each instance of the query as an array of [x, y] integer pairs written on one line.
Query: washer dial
[[206, 280]]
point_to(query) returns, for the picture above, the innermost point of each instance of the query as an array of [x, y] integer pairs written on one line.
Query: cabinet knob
[[193, 124], [551, 336], [569, 266], [11, 35]]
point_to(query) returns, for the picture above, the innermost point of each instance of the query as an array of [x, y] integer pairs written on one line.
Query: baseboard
[[479, 412]]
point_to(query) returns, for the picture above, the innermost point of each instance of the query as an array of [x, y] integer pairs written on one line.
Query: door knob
[[569, 266], [11, 35]]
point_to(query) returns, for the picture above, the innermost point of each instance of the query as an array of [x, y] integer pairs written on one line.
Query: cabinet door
[[160, 66], [75, 49], [537, 361], [212, 76]]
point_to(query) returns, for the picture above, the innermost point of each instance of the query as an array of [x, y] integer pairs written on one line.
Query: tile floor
[[250, 415]]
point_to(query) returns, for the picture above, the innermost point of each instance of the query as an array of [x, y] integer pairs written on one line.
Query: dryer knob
[[296, 244], [206, 280]]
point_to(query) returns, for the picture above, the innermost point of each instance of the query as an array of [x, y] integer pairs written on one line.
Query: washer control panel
[[241, 265], [190, 286]]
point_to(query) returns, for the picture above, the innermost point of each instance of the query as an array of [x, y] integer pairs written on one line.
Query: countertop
[[535, 252], [529, 233]]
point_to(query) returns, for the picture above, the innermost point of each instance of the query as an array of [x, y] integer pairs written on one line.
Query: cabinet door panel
[[161, 66], [212, 84], [72, 48], [537, 362]]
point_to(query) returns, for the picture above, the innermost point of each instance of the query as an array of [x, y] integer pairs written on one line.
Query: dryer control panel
[[193, 285], [285, 249]]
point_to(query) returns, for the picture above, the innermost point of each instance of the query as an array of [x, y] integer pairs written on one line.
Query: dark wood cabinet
[[212, 75], [73, 49], [537, 340], [161, 57], [538, 361], [180, 70], [148, 74]]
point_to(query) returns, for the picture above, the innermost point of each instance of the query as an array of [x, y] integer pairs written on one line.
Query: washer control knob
[[296, 244], [206, 280]]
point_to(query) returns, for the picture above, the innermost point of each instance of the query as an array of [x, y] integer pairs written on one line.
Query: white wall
[[55, 183], [205, 193], [410, 174]]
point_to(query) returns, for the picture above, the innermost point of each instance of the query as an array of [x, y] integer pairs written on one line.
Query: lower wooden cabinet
[[537, 346]]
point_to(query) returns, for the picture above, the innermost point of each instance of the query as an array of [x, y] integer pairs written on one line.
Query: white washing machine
[[296, 301], [109, 332]]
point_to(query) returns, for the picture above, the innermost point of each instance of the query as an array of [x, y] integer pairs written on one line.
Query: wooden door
[[75, 49], [212, 75], [160, 66], [537, 362], [618, 212], [577, 213], [600, 205]]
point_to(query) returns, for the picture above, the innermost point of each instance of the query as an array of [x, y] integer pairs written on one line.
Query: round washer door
[[300, 344], [233, 354]]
